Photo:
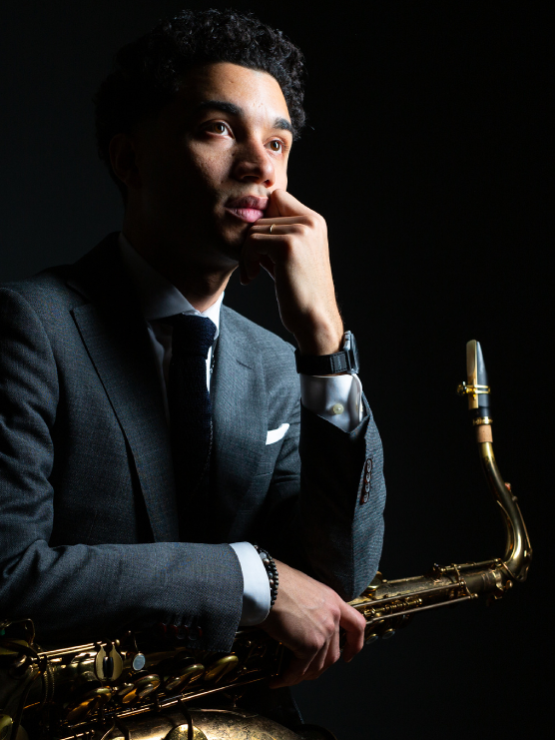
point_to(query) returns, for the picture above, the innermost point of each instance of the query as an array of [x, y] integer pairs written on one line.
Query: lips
[[248, 208]]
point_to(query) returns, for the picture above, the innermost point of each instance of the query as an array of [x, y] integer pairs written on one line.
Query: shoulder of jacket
[[59, 286], [45, 291]]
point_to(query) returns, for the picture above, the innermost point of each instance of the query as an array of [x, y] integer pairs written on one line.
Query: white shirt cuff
[[256, 587], [336, 398]]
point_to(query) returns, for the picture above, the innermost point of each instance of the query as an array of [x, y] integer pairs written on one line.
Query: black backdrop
[[426, 152]]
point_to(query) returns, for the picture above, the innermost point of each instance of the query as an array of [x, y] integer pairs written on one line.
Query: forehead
[[255, 92]]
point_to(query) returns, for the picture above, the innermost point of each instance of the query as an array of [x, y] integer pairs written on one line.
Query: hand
[[306, 618], [296, 255]]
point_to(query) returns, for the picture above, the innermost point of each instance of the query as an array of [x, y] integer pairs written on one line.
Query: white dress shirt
[[335, 398]]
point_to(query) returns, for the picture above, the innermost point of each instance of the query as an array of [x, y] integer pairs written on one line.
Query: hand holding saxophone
[[306, 618]]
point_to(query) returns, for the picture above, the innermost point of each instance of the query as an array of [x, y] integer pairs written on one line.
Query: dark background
[[427, 154]]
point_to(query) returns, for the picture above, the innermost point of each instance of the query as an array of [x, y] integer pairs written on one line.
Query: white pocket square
[[274, 435]]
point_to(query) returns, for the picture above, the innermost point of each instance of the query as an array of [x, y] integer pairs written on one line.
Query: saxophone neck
[[518, 552]]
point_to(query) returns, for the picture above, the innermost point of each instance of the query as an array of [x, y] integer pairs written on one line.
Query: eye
[[276, 145], [218, 127]]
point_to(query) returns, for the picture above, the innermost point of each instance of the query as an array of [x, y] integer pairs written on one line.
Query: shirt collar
[[158, 297]]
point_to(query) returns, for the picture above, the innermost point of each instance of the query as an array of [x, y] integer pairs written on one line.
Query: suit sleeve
[[324, 512], [86, 590]]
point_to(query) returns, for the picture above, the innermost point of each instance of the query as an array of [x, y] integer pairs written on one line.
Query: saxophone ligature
[[147, 687]]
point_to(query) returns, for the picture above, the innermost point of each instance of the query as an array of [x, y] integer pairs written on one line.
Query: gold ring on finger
[[271, 228]]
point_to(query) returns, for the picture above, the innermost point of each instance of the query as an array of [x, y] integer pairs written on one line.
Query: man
[[113, 518]]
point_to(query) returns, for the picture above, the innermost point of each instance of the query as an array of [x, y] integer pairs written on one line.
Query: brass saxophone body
[[145, 687]]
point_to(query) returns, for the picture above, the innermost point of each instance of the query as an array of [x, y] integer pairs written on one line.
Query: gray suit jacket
[[88, 525]]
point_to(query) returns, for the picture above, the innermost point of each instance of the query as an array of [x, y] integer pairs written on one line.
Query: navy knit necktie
[[189, 404]]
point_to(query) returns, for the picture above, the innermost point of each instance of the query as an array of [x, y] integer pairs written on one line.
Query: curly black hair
[[147, 72]]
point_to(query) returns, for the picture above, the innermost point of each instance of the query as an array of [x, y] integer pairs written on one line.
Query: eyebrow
[[234, 110]]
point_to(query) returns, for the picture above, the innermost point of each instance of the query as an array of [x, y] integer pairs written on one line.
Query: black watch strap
[[344, 361]]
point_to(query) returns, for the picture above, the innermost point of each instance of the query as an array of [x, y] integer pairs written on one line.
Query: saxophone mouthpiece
[[477, 390], [477, 380]]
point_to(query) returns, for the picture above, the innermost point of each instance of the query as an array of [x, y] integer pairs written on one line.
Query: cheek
[[280, 169], [208, 165], [163, 172], [186, 172], [281, 180], [211, 170]]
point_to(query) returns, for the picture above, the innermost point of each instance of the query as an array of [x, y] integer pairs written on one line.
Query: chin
[[231, 255], [231, 242], [224, 255]]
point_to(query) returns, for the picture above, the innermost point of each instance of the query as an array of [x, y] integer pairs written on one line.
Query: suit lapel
[[116, 338], [240, 419]]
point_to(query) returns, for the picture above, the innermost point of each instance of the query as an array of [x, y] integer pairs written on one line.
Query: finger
[[329, 657], [277, 227], [256, 251], [265, 223], [354, 624], [303, 668], [248, 269], [268, 265], [264, 249], [293, 674], [283, 203], [300, 669], [243, 277], [300, 661]]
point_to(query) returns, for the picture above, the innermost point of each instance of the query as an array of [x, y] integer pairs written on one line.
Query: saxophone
[[147, 687]]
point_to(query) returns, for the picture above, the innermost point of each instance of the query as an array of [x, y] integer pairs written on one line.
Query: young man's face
[[207, 164]]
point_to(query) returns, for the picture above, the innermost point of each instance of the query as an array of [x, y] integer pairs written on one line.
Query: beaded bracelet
[[272, 571]]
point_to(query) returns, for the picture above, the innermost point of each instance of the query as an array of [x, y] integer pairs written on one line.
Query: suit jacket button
[[365, 493], [369, 466]]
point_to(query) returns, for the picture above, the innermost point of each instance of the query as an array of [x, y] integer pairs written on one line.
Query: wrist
[[322, 339], [271, 570], [344, 360]]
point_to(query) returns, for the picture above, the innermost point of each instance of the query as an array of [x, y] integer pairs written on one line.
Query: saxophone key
[[87, 704], [189, 675], [139, 689], [220, 668]]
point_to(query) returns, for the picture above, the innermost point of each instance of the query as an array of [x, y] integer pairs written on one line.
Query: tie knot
[[192, 335]]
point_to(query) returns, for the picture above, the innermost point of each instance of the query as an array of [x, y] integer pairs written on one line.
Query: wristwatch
[[344, 361]]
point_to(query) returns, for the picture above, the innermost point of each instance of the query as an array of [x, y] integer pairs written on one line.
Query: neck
[[199, 281]]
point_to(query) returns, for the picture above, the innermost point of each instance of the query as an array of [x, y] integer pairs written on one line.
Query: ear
[[123, 160]]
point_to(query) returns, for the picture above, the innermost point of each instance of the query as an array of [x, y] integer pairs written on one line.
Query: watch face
[[354, 350], [350, 347]]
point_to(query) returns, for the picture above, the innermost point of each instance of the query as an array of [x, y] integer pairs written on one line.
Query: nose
[[253, 163]]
